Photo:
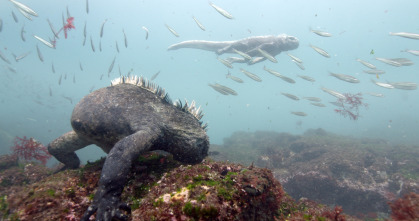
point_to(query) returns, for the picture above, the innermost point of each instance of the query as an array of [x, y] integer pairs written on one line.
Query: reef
[[280, 177], [160, 188], [361, 175]]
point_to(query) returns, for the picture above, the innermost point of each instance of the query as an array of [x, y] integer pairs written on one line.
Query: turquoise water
[[358, 27]]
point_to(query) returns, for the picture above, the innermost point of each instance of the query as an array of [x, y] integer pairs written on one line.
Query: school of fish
[[272, 64]]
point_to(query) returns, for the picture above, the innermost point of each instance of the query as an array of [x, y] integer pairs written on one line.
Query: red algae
[[406, 208], [29, 149], [350, 105]]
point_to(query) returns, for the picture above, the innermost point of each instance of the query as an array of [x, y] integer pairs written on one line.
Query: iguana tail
[[201, 44]]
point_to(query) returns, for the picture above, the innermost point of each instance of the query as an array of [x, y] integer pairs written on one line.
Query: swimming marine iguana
[[128, 118], [274, 45]]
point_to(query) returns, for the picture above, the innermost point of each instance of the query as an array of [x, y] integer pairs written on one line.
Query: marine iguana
[[272, 44], [126, 119]]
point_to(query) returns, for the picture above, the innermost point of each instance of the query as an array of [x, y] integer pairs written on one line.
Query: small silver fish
[[337, 104], [125, 39], [154, 76], [251, 75], [14, 17], [406, 35], [226, 89], [389, 61], [91, 43], [219, 90], [18, 58], [45, 42], [111, 66], [101, 28], [244, 55], [320, 51], [318, 104], [221, 11], [146, 32], [290, 96], [172, 30], [50, 91], [4, 58], [277, 74], [345, 77], [299, 113], [333, 93], [366, 64], [116, 46], [25, 14], [87, 6], [267, 55], [382, 84], [53, 29], [225, 62], [402, 61], [256, 60], [307, 78], [100, 45], [62, 19], [11, 69], [287, 79], [295, 58], [301, 66], [321, 33], [376, 94], [314, 99], [374, 71], [404, 85], [69, 99], [68, 12], [223, 89], [22, 36], [234, 78], [24, 8], [84, 30], [198, 23], [414, 52], [81, 66], [52, 68], [39, 54], [59, 79]]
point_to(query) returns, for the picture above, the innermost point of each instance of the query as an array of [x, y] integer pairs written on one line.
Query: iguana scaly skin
[[126, 119]]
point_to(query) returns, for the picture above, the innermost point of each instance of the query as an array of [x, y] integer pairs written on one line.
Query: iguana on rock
[[126, 119]]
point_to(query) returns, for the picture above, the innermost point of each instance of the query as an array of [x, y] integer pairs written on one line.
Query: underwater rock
[[7, 161], [361, 175], [159, 188]]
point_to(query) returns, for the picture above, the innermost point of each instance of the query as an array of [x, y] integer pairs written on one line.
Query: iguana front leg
[[64, 147], [107, 201]]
